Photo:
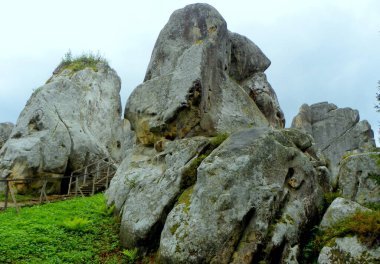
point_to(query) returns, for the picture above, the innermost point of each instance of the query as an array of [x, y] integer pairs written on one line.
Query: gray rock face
[[335, 131], [193, 85], [345, 249], [254, 196], [348, 250], [5, 132], [359, 178], [147, 184], [70, 121], [340, 209]]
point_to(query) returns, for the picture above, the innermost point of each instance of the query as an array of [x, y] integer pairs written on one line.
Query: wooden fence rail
[[86, 181]]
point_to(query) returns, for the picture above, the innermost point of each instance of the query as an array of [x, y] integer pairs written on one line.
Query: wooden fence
[[85, 181]]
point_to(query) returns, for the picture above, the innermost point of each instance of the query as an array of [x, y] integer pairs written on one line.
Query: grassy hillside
[[79, 230]]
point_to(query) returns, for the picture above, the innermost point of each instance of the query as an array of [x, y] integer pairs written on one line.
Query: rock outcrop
[[252, 197], [359, 178], [340, 209], [199, 80], [335, 131], [5, 132], [346, 249], [72, 120]]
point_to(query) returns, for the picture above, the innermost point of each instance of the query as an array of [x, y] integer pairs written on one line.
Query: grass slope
[[79, 230]]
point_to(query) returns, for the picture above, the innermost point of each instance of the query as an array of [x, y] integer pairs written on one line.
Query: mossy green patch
[[174, 228], [185, 197], [218, 139]]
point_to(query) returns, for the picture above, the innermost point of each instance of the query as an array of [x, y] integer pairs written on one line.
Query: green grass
[[86, 60], [364, 225], [79, 230]]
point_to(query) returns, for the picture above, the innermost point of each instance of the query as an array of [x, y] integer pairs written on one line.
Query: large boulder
[[254, 198], [73, 119], [346, 249], [147, 185], [5, 132], [340, 209], [195, 78], [335, 131], [359, 178]]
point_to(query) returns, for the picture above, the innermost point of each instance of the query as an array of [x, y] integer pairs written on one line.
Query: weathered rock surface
[[254, 196], [5, 132], [194, 81], [335, 131], [147, 185], [359, 178], [348, 250], [340, 209], [345, 249], [73, 119]]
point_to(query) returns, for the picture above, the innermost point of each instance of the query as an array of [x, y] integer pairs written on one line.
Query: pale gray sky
[[321, 50]]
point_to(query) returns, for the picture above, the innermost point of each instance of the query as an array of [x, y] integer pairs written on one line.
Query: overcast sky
[[321, 50]]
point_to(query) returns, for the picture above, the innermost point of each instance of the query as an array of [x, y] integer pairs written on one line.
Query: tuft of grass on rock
[[86, 60]]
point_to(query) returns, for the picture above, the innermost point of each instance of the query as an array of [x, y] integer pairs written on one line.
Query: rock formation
[[359, 178], [73, 119], [208, 173], [346, 249], [335, 131], [249, 199], [252, 201], [199, 80], [5, 131]]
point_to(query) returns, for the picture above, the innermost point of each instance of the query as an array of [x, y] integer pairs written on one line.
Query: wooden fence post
[[14, 198], [76, 185], [6, 195], [43, 191], [71, 180], [108, 174]]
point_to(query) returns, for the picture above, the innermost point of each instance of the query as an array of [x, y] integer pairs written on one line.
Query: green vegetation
[[79, 230], [330, 197], [375, 177], [190, 173], [364, 225], [86, 60], [218, 139], [185, 197], [131, 254]]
